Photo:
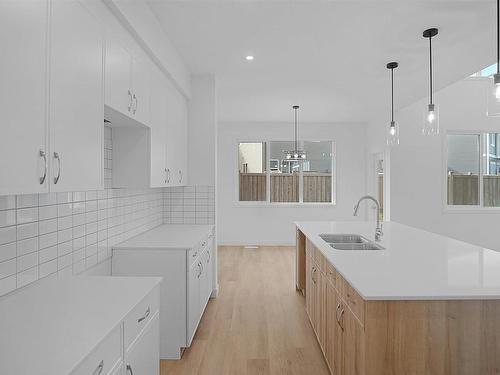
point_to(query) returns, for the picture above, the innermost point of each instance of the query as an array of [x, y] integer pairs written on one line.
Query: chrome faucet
[[378, 230]]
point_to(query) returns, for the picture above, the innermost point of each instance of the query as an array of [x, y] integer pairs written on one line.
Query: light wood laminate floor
[[257, 325]]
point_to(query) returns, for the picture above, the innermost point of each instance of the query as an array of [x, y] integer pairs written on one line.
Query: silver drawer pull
[[195, 254], [145, 316], [44, 156], [129, 369], [99, 368], [136, 102], [131, 100], [204, 243], [57, 157]]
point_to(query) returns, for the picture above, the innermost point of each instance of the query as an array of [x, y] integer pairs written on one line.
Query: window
[[264, 175], [486, 72], [473, 170]]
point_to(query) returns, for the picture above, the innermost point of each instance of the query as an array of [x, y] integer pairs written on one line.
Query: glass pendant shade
[[393, 134], [431, 120], [494, 97]]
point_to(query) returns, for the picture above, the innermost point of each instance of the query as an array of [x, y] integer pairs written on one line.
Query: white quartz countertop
[[416, 264], [48, 328], [167, 236]]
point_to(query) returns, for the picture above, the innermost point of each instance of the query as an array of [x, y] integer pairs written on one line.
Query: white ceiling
[[328, 57]]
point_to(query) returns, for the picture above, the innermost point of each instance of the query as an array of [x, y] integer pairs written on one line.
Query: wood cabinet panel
[[333, 337], [353, 345]]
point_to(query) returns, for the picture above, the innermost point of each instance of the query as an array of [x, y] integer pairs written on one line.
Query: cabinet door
[[309, 290], [76, 98], [320, 311], [333, 336], [203, 282], [141, 78], [183, 141], [193, 300], [353, 344], [118, 90], [143, 358], [23, 41], [158, 134]]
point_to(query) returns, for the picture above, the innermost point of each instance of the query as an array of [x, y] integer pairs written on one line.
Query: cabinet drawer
[[331, 274], [355, 302], [140, 316], [104, 358]]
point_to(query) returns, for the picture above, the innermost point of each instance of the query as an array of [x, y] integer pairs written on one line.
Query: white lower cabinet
[[186, 288], [143, 357]]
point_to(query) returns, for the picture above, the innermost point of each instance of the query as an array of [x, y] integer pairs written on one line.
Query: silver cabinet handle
[[341, 319], [44, 156], [146, 314], [168, 175], [180, 176], [129, 369], [99, 368], [136, 102], [199, 266], [313, 271], [130, 102], [56, 156], [337, 312], [195, 254], [209, 257]]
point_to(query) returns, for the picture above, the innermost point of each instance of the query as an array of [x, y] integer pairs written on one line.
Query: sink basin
[[343, 238], [349, 242], [356, 246]]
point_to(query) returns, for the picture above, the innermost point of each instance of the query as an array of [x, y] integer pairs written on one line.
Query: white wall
[[243, 224], [417, 167]]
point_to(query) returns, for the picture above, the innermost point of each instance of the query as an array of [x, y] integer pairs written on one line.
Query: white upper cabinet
[[76, 98], [128, 80], [159, 98], [23, 65], [52, 93], [177, 138], [118, 72]]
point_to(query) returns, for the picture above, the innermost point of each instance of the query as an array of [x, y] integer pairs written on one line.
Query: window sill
[[470, 210]]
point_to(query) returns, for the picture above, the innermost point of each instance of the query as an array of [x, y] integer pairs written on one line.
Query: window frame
[[267, 202], [447, 208]]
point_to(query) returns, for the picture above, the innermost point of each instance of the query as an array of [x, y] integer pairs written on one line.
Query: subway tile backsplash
[[68, 233]]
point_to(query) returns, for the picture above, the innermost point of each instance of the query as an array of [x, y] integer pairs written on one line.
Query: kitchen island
[[424, 304]]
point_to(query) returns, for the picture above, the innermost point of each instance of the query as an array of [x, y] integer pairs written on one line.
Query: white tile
[[27, 277], [8, 251], [64, 261], [47, 199], [7, 235], [7, 285], [90, 250], [78, 255], [7, 268], [64, 209], [90, 206], [47, 226], [64, 222], [27, 231], [102, 194], [7, 202], [27, 215], [78, 231], [91, 217], [78, 243], [64, 248], [78, 196], [64, 197], [64, 235], [78, 219], [27, 261], [47, 212], [78, 208], [90, 195], [47, 254], [91, 261], [49, 239], [28, 200], [91, 239], [47, 268], [7, 218], [79, 267], [91, 228], [27, 246]]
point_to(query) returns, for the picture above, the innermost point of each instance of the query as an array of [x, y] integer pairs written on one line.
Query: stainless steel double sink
[[349, 242]]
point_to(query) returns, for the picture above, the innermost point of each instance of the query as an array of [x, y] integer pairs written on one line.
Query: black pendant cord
[[296, 129], [430, 68], [392, 97]]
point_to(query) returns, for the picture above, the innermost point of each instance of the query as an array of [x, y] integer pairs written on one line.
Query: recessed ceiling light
[[249, 58]]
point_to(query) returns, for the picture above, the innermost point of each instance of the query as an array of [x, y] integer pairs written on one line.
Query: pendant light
[[431, 114], [295, 154], [393, 131], [494, 95]]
